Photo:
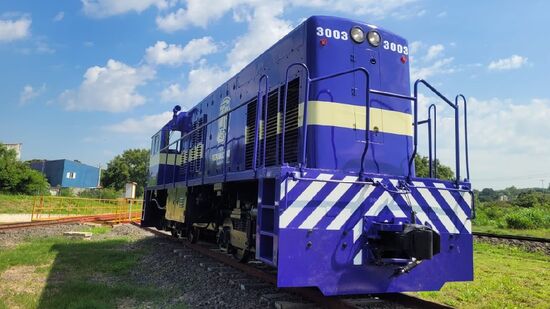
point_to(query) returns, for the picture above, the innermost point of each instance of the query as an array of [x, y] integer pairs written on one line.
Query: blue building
[[68, 174]]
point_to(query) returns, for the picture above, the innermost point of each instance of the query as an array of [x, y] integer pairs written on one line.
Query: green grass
[[74, 274], [16, 204], [505, 277]]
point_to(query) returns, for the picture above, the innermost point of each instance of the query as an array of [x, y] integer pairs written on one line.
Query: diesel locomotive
[[304, 160]]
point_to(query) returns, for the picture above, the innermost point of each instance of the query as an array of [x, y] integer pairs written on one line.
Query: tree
[[130, 166], [17, 177], [422, 167]]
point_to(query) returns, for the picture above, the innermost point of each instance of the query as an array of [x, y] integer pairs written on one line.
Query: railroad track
[[92, 218], [268, 276], [513, 237]]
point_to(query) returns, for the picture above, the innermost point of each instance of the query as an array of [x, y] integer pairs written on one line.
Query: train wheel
[[223, 239], [242, 255], [193, 234]]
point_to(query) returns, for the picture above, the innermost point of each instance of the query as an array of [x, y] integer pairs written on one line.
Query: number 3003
[[330, 33]]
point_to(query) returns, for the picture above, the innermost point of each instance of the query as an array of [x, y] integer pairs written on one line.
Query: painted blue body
[[85, 176], [335, 258]]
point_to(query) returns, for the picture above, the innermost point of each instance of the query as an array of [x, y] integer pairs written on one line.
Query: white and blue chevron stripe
[[334, 202], [330, 202]]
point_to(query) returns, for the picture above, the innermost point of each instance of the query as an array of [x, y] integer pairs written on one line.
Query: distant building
[[16, 147], [503, 198], [68, 174]]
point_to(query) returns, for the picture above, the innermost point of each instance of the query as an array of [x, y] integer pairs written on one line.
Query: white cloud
[[29, 93], [434, 51], [59, 16], [373, 8], [202, 81], [11, 30], [510, 63], [112, 88], [197, 13], [146, 125], [264, 29], [442, 66], [201, 12], [172, 93], [106, 8], [442, 14], [501, 133], [427, 61], [174, 55]]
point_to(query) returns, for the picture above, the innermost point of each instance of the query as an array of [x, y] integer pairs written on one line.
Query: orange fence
[[58, 207]]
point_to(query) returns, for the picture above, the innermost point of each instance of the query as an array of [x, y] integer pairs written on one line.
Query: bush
[[17, 177], [528, 219], [66, 192], [104, 193]]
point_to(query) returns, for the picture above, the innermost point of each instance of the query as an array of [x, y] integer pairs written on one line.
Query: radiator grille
[[273, 130], [291, 125]]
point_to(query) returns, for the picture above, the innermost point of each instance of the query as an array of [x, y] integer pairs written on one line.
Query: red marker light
[[403, 59], [324, 41]]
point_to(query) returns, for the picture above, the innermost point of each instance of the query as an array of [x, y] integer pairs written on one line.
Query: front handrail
[[465, 133], [415, 122], [432, 155], [367, 114]]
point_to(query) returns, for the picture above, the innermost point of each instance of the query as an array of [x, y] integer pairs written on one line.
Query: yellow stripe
[[353, 117]]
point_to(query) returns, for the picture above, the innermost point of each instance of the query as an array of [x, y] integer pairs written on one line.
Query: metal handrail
[[367, 114], [259, 109], [428, 121], [415, 122], [465, 134], [283, 125], [433, 170]]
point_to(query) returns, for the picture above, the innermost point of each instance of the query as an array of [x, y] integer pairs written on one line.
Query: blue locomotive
[[305, 161]]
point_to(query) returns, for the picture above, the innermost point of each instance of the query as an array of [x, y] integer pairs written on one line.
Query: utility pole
[[542, 183]]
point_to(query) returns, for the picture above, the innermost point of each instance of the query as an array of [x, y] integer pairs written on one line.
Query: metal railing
[[261, 110], [59, 207]]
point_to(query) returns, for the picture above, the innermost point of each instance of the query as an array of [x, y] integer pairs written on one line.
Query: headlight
[[374, 38], [357, 34]]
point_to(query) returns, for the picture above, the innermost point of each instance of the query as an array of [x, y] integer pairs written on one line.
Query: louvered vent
[[250, 132], [291, 125], [271, 129]]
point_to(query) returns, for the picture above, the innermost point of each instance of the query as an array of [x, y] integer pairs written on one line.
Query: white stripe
[[467, 196], [327, 203], [350, 208], [358, 259], [357, 231], [440, 213], [385, 200], [297, 205], [286, 186], [419, 213], [455, 206]]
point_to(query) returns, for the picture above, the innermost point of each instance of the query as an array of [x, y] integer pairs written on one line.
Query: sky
[[88, 79]]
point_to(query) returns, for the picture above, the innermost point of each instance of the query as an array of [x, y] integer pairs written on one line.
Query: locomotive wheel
[[241, 255], [222, 239], [193, 234]]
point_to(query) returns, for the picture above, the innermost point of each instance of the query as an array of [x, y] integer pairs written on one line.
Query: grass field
[[504, 277], [68, 273], [46, 206], [16, 204]]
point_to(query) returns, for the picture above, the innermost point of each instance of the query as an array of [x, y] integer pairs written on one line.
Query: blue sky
[[87, 79]]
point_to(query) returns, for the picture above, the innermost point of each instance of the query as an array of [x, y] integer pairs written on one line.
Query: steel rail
[[310, 294], [513, 237]]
